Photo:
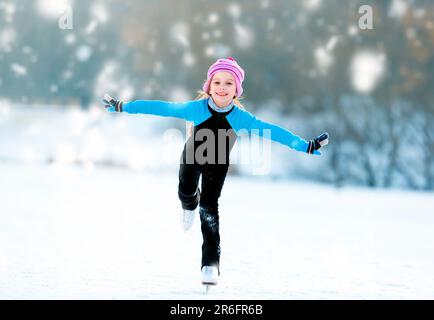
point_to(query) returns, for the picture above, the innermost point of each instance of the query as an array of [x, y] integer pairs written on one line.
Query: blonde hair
[[203, 95]]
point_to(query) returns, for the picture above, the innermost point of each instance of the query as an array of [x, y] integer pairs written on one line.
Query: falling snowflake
[[99, 11], [18, 69], [180, 34], [245, 37], [188, 59], [7, 39], [83, 53], [367, 68], [234, 10], [398, 8], [312, 4], [213, 18], [217, 50], [52, 9], [324, 59]]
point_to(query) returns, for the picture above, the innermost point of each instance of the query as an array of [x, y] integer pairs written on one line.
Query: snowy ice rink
[[103, 233]]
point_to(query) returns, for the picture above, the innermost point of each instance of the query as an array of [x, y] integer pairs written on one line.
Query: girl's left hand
[[321, 141]]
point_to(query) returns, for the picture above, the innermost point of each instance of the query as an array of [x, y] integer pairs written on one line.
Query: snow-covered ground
[[70, 232]]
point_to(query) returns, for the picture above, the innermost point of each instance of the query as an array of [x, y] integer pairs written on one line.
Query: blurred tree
[[48, 63], [299, 58]]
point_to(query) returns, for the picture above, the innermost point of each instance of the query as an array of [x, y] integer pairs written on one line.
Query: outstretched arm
[[245, 120], [156, 107]]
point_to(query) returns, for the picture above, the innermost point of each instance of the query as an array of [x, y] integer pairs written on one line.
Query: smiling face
[[223, 88]]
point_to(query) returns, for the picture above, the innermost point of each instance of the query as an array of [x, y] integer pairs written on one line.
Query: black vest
[[211, 141]]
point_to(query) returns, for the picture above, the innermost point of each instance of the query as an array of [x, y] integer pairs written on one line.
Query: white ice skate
[[210, 275], [187, 218]]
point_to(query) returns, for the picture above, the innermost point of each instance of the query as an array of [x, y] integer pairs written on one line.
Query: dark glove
[[317, 143], [111, 104]]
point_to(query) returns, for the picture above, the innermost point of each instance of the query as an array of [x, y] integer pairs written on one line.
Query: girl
[[217, 116]]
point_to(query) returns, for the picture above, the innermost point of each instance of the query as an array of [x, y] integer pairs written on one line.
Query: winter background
[[88, 199]]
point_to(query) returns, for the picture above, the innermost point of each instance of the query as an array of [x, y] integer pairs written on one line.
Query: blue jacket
[[198, 111]]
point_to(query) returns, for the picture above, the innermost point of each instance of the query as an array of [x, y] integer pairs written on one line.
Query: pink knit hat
[[229, 65]]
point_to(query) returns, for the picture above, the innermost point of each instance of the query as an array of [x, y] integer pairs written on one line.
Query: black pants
[[213, 177]]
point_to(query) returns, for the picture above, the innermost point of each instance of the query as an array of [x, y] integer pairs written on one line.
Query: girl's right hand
[[111, 104]]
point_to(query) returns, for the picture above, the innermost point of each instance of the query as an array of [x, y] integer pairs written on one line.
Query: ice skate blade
[[208, 287]]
